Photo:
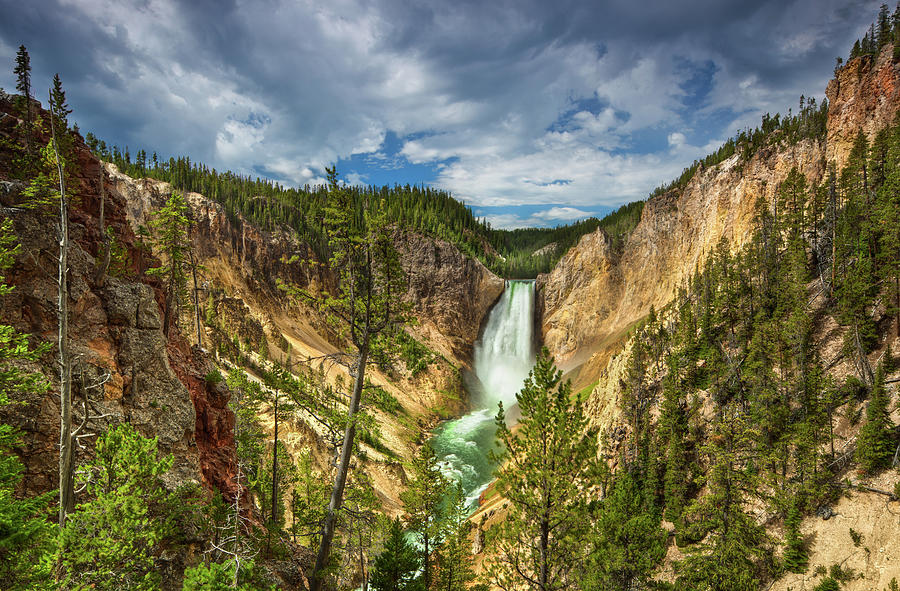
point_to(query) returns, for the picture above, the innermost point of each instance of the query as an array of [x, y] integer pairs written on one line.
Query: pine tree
[[366, 310], [396, 567], [546, 473], [673, 424], [23, 85], [454, 556], [170, 225], [874, 446], [60, 106], [111, 540], [883, 32], [855, 279], [628, 541], [309, 499], [887, 212], [60, 112], [214, 576], [423, 502], [796, 557], [734, 554]]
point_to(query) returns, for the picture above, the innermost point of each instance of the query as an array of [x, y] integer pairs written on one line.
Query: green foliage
[[885, 30], [414, 354], [875, 444], [215, 576], [628, 540], [170, 227], [111, 540], [396, 566], [547, 474], [26, 537], [214, 377], [23, 101], [383, 400], [42, 191], [60, 114], [309, 497], [23, 72], [118, 254], [841, 574], [827, 584], [424, 505], [454, 556], [796, 556]]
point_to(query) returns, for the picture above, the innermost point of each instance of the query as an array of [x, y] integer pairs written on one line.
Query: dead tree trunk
[[66, 451], [196, 298]]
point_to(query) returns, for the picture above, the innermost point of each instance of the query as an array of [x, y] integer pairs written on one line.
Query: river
[[503, 357]]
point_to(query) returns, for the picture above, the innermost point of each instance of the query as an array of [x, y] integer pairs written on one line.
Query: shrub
[[214, 377]]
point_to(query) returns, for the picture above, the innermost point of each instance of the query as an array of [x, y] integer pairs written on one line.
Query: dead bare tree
[[233, 544], [66, 451], [196, 290]]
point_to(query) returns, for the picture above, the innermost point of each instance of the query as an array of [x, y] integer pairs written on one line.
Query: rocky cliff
[[593, 295], [450, 292], [124, 366], [863, 95]]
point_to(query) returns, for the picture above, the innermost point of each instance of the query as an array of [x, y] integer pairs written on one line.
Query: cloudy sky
[[535, 112]]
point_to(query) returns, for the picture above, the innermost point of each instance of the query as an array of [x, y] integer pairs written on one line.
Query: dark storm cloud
[[503, 98]]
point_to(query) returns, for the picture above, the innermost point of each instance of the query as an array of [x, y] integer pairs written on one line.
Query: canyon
[[585, 309]]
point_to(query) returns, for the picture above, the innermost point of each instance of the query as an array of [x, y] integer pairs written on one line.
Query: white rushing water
[[503, 357]]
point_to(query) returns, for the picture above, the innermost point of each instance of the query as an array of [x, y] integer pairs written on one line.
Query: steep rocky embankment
[[593, 295], [863, 95], [450, 293], [241, 267], [124, 366]]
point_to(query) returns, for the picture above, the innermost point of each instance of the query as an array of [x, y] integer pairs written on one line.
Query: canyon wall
[[594, 295], [242, 266], [124, 366]]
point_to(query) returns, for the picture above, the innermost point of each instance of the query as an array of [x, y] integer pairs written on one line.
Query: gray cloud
[[507, 99]]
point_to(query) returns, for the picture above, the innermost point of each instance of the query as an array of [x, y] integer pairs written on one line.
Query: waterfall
[[503, 357], [505, 353]]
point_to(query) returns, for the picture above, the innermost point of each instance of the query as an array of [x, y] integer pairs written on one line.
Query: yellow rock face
[[594, 295]]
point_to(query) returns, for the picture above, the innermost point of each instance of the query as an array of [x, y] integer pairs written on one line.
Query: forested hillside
[[732, 398], [742, 413], [434, 212]]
